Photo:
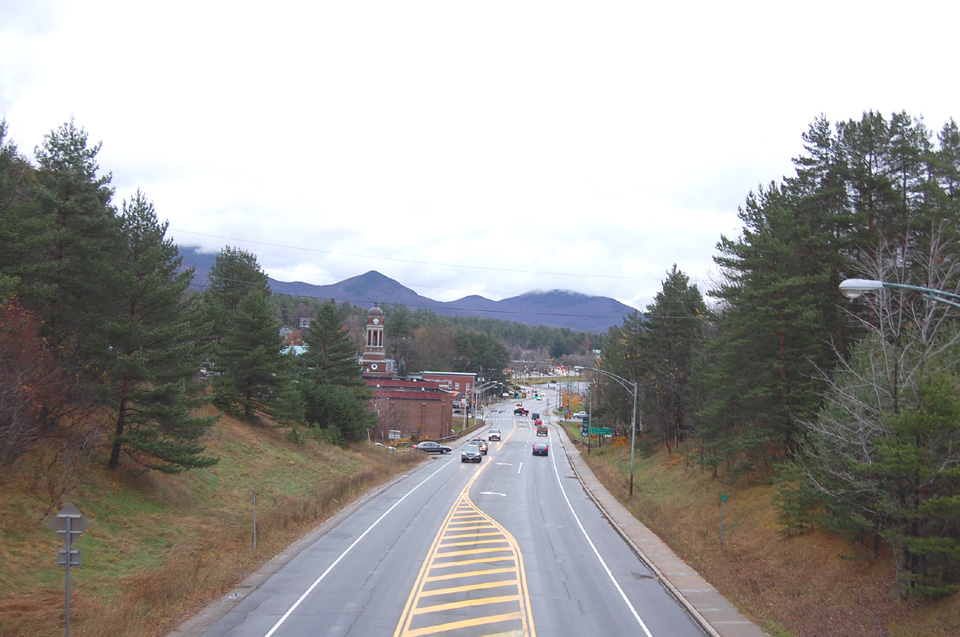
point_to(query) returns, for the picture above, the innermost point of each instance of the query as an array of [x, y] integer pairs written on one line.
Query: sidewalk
[[715, 614]]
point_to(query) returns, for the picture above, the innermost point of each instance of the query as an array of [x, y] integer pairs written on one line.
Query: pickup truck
[[520, 411]]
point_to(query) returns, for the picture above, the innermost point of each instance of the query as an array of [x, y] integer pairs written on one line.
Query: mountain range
[[553, 309]]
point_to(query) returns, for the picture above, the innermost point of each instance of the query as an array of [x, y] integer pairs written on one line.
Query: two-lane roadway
[[509, 546]]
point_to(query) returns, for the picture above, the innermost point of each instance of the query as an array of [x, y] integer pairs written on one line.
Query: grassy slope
[[815, 584], [160, 547]]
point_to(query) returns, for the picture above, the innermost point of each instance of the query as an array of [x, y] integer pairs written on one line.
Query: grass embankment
[[815, 584], [160, 547]]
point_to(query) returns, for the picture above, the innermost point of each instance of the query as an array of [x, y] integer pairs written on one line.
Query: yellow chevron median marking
[[470, 553]]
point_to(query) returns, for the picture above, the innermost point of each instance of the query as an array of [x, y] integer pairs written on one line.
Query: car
[[493, 434], [540, 449], [480, 442], [471, 453], [580, 414], [432, 447], [535, 416], [542, 429], [520, 411]]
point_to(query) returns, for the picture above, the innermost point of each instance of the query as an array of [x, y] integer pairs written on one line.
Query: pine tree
[[334, 393], [79, 242], [771, 328], [253, 377], [670, 340], [154, 354], [19, 218], [331, 357]]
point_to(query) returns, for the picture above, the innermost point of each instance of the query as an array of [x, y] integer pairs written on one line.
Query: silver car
[[471, 453]]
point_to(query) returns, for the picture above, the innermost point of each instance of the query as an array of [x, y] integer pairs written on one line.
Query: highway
[[509, 546]]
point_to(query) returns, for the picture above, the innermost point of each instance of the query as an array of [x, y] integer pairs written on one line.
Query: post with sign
[[70, 522]]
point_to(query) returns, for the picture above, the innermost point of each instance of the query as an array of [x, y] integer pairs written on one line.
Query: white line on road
[[347, 550], [623, 595]]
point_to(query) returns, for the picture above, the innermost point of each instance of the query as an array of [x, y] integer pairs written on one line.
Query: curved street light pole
[[633, 423], [854, 288]]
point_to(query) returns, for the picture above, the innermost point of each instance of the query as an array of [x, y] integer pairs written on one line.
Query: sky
[[491, 148]]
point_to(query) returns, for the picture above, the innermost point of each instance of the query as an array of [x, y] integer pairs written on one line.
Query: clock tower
[[374, 360]]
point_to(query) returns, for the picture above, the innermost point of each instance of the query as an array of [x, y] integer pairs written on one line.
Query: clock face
[[373, 365], [376, 321]]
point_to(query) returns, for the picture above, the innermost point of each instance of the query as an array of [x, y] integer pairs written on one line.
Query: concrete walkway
[[717, 616]]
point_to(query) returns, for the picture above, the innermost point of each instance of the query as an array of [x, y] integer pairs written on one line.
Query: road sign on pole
[[70, 523]]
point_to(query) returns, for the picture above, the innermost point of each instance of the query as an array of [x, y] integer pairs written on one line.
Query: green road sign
[[601, 431]]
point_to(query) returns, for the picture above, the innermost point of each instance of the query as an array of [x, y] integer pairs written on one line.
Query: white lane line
[[347, 550], [616, 584]]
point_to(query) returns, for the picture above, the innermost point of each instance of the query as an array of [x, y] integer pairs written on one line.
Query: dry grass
[[161, 547], [815, 584]]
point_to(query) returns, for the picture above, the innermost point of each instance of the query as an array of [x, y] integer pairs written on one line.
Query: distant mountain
[[553, 308]]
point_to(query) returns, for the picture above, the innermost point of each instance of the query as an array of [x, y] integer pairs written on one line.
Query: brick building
[[418, 409]]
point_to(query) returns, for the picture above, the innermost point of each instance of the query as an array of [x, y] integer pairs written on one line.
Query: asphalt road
[[509, 546]]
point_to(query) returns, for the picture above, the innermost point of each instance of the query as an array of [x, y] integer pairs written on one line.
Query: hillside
[[807, 586], [160, 547], [550, 308]]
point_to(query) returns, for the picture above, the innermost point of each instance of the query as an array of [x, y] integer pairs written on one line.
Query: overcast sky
[[461, 148]]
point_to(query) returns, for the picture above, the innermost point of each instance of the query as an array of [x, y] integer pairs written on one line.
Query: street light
[[854, 288], [633, 423]]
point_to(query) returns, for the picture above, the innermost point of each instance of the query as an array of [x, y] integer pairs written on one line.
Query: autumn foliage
[[33, 388]]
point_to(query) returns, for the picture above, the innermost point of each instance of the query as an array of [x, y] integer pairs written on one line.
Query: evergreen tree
[[481, 353], [154, 356], [334, 393], [399, 337], [624, 354], [253, 377], [670, 340], [235, 275], [19, 218], [79, 241], [772, 333], [331, 358]]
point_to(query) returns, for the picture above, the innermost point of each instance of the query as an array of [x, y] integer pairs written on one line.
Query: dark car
[[535, 416], [520, 411], [542, 429], [493, 434], [432, 447], [540, 449], [480, 442], [471, 453]]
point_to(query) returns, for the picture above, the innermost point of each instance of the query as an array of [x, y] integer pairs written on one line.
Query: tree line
[[104, 342], [852, 406]]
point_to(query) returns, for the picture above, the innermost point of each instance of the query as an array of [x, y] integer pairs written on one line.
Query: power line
[[413, 261]]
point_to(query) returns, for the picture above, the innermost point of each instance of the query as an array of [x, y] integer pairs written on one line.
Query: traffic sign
[[601, 431], [75, 557], [78, 523]]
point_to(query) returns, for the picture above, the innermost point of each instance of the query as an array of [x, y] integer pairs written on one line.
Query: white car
[[580, 414]]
